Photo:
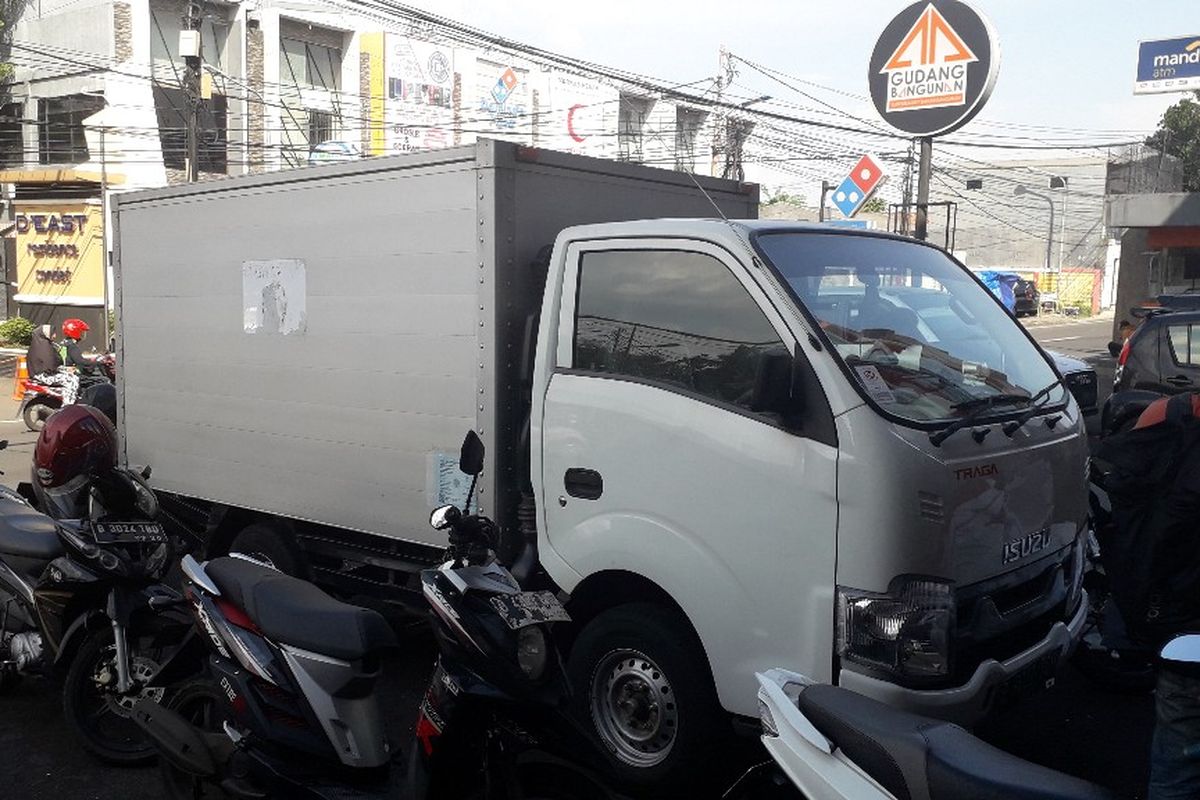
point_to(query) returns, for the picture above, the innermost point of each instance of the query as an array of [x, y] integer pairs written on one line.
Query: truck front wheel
[[643, 689]]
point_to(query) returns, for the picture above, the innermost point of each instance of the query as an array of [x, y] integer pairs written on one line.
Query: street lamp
[[1020, 190]]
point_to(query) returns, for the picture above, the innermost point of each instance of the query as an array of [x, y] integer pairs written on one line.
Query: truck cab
[[766, 443]]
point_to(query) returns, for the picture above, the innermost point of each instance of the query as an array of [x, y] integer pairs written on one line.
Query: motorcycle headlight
[[906, 631], [533, 651]]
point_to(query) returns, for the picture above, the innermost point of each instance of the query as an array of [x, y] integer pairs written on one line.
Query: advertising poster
[[582, 116], [503, 102], [420, 95]]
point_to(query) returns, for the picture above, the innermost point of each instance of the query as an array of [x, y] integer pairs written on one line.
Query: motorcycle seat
[[916, 757], [28, 534], [295, 612]]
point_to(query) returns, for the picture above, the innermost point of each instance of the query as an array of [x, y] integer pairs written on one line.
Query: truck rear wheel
[[267, 543], [644, 693]]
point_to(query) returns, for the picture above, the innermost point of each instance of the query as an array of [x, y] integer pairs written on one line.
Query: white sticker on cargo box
[[446, 484], [274, 297], [875, 385]]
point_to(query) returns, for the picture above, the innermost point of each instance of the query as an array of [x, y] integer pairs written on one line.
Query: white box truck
[[734, 445]]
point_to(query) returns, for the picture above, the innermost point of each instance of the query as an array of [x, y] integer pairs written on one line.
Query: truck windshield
[[917, 334]]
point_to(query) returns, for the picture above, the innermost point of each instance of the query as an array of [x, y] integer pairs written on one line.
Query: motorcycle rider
[[74, 331], [44, 360], [1155, 571]]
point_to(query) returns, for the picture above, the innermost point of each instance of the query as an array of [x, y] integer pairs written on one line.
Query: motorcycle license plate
[[529, 608], [129, 533]]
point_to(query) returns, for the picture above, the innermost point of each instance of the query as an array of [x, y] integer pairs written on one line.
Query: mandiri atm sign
[[1168, 65], [933, 67]]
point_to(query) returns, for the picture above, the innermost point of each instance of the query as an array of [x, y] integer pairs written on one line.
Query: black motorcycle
[[291, 709], [495, 720], [82, 600]]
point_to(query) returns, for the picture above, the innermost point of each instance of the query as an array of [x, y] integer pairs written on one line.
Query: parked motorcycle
[[83, 597], [495, 719], [39, 401], [828, 743], [291, 706]]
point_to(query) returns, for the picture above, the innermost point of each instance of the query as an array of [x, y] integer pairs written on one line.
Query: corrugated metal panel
[[335, 424]]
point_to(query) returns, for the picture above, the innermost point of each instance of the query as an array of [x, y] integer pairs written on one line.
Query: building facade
[[97, 104]]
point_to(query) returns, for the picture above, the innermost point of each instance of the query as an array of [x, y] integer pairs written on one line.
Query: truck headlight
[[532, 651], [906, 630]]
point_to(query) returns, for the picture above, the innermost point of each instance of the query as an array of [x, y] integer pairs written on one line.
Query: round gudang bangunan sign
[[934, 67]]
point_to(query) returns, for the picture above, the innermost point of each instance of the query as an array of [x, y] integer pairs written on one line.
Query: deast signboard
[[933, 67]]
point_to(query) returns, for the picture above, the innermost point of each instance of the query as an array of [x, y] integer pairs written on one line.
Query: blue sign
[[848, 197], [1168, 65]]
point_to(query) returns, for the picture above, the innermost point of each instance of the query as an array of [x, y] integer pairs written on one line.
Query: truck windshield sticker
[[274, 297], [447, 485], [875, 385]]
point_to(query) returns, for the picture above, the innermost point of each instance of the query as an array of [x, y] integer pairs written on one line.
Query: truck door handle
[[1179, 380], [586, 484]]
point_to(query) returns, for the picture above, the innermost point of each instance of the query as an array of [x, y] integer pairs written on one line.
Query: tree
[[1178, 135], [874, 206]]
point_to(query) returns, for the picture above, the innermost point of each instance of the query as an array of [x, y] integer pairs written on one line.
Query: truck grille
[[1001, 617]]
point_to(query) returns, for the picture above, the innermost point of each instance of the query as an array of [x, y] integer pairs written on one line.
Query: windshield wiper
[[1015, 425], [981, 405]]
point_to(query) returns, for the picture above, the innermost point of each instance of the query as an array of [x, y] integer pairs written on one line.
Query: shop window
[[12, 141], [212, 151], [631, 123], [310, 66], [61, 135]]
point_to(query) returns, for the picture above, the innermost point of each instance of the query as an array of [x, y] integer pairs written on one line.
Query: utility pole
[[189, 49], [826, 188], [725, 73], [925, 170]]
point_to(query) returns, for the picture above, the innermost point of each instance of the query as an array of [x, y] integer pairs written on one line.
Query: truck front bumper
[[968, 703]]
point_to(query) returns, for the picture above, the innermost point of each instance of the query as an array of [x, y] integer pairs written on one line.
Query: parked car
[[1027, 297], [1080, 378], [1162, 355]]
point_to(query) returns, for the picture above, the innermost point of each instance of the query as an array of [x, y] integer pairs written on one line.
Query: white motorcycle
[[833, 744]]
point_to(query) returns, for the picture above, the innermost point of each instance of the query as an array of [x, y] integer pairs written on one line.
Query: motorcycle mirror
[[1183, 649], [470, 460], [3, 444], [444, 517], [146, 472], [1114, 349]]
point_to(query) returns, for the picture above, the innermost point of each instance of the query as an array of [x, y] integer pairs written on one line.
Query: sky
[[1065, 63]]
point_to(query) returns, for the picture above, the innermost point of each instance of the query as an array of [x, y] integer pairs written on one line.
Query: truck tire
[[267, 543], [644, 693]]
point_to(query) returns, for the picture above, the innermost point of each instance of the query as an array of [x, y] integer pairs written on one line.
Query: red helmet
[[77, 442], [74, 328]]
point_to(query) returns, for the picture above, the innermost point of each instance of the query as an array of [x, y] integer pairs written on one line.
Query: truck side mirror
[[1114, 349], [779, 387], [470, 459]]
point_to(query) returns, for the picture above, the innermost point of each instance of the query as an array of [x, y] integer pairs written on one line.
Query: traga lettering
[[981, 471]]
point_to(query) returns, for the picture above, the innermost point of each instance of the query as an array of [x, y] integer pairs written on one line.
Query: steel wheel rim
[[634, 708]]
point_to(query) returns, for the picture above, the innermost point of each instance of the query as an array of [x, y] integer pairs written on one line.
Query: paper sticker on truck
[[274, 297]]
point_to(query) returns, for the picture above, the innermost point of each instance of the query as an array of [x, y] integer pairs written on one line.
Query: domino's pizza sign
[[859, 185]]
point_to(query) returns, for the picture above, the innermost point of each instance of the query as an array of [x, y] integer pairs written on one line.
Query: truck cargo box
[[314, 343]]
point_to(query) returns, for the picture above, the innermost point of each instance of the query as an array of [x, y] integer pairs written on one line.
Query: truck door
[[654, 464]]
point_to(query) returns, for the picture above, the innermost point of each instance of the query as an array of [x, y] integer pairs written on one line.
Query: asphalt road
[[1073, 727]]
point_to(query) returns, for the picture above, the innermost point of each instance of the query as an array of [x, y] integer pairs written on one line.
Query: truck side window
[[670, 317]]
